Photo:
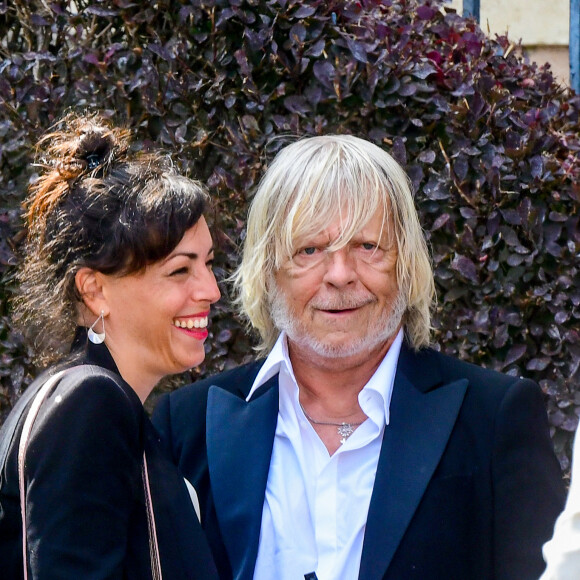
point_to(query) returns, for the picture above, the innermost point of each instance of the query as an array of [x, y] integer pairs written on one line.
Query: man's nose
[[340, 268]]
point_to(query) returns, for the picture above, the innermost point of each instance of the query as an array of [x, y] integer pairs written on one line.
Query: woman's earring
[[97, 337]]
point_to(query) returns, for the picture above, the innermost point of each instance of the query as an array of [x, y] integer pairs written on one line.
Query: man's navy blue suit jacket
[[467, 486]]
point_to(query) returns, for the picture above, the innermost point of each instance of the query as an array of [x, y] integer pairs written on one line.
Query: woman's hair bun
[[83, 143], [96, 147], [79, 145]]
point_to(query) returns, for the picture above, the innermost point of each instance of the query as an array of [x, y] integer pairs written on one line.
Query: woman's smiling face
[[157, 319]]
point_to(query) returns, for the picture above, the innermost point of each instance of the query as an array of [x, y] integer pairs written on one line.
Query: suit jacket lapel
[[240, 437], [421, 421]]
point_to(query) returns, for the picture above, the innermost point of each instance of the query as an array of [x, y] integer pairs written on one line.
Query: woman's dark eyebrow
[[190, 255]]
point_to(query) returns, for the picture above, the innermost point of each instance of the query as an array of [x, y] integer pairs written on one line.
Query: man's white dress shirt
[[316, 505]]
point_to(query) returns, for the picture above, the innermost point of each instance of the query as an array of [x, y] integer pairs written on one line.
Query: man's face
[[340, 303]]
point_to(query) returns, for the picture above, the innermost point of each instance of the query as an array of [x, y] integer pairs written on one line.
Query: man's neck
[[334, 382]]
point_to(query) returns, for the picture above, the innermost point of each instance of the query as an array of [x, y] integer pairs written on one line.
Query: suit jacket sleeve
[[83, 473], [528, 486], [180, 419], [562, 552]]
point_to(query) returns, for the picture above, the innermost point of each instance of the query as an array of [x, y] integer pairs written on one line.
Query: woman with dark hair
[[116, 287]]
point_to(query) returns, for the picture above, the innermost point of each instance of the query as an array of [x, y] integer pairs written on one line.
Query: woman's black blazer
[[86, 516]]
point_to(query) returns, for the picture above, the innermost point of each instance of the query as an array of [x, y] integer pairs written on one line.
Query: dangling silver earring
[[97, 337]]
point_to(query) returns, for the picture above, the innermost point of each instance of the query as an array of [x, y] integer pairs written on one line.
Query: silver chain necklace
[[345, 430]]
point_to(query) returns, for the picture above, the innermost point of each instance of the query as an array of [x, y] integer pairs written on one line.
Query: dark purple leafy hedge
[[491, 144]]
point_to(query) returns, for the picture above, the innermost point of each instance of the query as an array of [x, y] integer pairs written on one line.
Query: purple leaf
[[558, 217], [243, 63], [392, 85], [92, 58], [180, 133], [536, 166], [538, 364], [297, 104], [515, 353], [399, 151], [435, 190], [425, 12], [423, 70], [298, 33], [39, 20], [465, 267], [224, 335], [461, 167], [427, 156], [304, 12], [407, 89], [357, 50], [112, 50], [325, 72], [468, 213], [160, 51], [316, 49], [512, 217], [500, 336], [440, 222]]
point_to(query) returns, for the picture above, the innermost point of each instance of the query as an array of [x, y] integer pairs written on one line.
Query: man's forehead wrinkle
[[323, 233], [337, 235]]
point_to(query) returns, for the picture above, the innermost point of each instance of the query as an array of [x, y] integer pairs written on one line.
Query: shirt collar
[[383, 378], [381, 382], [278, 356]]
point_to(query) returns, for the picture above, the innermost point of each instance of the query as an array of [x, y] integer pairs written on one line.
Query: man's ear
[[89, 285]]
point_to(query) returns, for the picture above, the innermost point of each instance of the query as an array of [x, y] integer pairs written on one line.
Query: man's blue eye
[[309, 251], [368, 246]]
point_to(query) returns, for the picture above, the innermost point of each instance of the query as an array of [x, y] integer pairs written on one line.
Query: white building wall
[[541, 25]]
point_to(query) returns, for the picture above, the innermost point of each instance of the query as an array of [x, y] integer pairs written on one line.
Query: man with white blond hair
[[354, 450]]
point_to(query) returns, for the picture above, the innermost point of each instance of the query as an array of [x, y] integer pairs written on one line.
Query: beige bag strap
[[23, 445], [28, 423], [153, 545]]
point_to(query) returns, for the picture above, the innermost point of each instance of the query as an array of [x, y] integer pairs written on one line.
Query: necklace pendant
[[345, 430]]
